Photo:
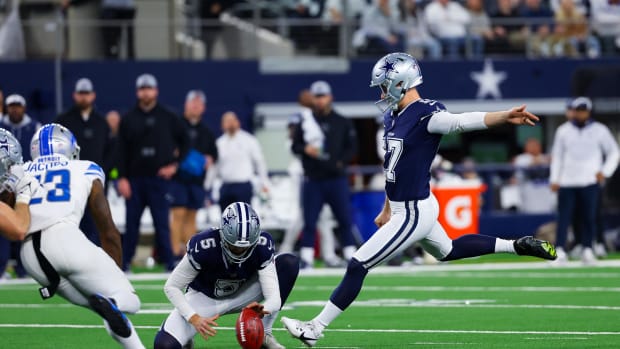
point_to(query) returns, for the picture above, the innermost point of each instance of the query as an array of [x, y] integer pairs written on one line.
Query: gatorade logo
[[458, 212]]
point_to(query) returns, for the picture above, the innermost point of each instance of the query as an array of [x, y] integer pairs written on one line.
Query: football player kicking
[[56, 253], [226, 268], [413, 130]]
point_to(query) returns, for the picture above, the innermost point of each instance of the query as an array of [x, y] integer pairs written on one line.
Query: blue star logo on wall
[[488, 81]]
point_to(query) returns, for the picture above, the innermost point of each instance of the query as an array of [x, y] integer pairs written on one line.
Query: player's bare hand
[[382, 218], [600, 177], [204, 325], [259, 308], [555, 187], [520, 116], [124, 188]]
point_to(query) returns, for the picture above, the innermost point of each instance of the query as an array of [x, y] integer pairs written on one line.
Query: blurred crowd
[[432, 29], [445, 28]]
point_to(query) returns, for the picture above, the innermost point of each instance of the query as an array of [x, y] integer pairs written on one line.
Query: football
[[8, 197], [249, 328]]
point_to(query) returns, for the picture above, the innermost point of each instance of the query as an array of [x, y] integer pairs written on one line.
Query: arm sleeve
[[299, 144], [556, 158], [94, 172], [259, 162], [445, 123], [612, 155], [268, 279], [177, 282]]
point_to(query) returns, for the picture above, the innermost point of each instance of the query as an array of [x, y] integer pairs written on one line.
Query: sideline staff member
[[151, 141]]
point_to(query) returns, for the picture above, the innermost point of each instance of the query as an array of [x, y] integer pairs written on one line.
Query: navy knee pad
[[163, 340]]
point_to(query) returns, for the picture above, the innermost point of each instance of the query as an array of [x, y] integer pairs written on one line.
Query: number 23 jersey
[[66, 183], [218, 277]]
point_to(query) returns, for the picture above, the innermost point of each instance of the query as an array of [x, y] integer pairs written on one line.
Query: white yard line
[[350, 330]]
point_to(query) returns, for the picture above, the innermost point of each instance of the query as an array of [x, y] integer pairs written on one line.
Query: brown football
[[249, 328], [8, 197]]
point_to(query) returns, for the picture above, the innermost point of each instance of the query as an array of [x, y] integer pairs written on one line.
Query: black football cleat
[[109, 312], [528, 246]]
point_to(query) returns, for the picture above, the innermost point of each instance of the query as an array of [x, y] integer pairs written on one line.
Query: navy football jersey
[[409, 150], [218, 277]]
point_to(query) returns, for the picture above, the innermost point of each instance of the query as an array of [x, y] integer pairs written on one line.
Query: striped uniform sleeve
[[94, 171]]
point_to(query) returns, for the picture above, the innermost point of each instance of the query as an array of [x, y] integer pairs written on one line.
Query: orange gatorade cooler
[[459, 207]]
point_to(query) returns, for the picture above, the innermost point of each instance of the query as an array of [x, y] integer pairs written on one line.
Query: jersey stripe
[[411, 231]]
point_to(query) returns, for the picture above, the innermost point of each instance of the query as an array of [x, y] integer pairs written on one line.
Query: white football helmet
[[240, 227], [54, 139], [395, 73], [10, 153]]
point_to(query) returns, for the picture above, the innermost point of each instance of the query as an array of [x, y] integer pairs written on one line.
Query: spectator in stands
[[382, 28], [93, 136], [326, 143], [334, 16], [509, 34], [23, 127], [416, 31], [240, 161], [117, 30], [605, 16], [584, 154], [210, 11], [448, 21], [187, 186], [305, 36], [480, 30], [151, 142], [572, 27], [540, 29]]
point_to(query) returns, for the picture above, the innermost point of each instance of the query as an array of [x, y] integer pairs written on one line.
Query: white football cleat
[[562, 258], [270, 342], [307, 332]]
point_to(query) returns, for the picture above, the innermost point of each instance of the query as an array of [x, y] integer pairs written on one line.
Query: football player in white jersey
[[14, 222], [57, 254], [413, 130]]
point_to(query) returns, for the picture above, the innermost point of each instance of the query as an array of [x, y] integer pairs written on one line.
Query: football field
[[479, 305]]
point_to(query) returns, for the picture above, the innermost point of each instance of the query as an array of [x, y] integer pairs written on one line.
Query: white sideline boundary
[[349, 330], [413, 270]]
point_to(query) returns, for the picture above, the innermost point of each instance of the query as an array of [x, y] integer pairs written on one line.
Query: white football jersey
[[67, 185]]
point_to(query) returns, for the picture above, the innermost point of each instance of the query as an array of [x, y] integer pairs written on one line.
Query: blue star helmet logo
[[4, 145], [230, 215], [388, 67]]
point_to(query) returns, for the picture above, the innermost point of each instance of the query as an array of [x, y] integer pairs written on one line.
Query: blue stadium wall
[[239, 85]]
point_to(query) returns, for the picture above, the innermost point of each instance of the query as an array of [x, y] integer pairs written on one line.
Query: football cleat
[[307, 332], [528, 246], [109, 312], [270, 342]]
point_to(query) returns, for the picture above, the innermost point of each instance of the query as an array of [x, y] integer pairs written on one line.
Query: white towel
[[313, 135]]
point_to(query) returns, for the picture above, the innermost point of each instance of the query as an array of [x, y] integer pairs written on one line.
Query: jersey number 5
[[62, 184], [394, 148]]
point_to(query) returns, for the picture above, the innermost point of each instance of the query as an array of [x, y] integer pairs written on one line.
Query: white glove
[[22, 184]]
